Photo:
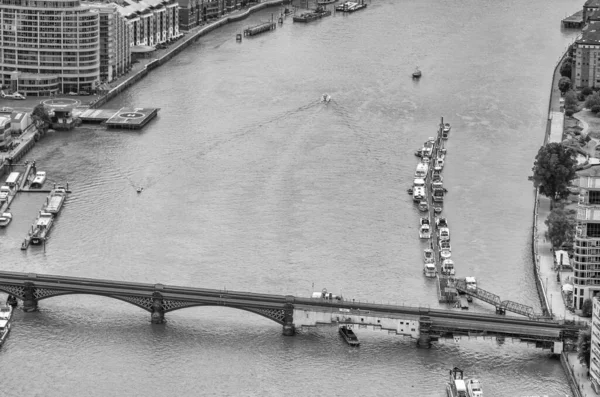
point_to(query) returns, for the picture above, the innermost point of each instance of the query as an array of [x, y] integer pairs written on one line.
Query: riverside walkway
[[423, 324]]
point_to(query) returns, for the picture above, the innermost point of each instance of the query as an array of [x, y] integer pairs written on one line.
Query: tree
[[561, 227], [571, 100], [41, 118], [566, 67], [564, 84], [587, 307], [587, 91], [592, 100], [584, 342], [595, 109], [553, 169], [569, 112]]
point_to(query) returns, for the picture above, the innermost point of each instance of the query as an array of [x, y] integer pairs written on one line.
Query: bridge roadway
[[423, 324]]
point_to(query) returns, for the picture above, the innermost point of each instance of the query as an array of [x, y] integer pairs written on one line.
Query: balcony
[[588, 214]]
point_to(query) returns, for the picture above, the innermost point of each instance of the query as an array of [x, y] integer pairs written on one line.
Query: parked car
[[84, 93], [73, 93]]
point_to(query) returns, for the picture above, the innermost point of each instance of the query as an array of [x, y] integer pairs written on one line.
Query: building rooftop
[[592, 4], [590, 33]]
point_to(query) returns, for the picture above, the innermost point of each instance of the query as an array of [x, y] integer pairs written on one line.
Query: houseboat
[[38, 181], [55, 200], [349, 336], [429, 270], [418, 193], [456, 386], [448, 267], [318, 13], [5, 219], [42, 228]]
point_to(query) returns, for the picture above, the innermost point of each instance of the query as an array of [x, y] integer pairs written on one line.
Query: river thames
[[251, 184]]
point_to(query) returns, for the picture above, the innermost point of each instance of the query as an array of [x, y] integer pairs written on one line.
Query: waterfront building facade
[[586, 243], [115, 54], [595, 347], [151, 22], [588, 8], [194, 13], [586, 70], [48, 46]]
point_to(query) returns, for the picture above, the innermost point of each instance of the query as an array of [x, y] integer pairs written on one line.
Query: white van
[[13, 179]]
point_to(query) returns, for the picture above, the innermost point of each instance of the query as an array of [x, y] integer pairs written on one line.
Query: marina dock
[[126, 118], [263, 27]]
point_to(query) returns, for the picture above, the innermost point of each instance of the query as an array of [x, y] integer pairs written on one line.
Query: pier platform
[[127, 118], [263, 27], [575, 21]]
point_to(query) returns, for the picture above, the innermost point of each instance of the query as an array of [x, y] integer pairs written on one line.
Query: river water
[[251, 184]]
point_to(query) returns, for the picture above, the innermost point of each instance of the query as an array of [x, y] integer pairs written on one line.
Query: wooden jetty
[[263, 27], [575, 21], [126, 118]]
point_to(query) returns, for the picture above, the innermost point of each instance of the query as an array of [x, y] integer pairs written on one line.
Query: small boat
[[349, 336], [437, 210], [417, 73], [423, 207], [418, 193], [428, 255], [429, 270], [425, 160], [474, 386], [419, 153], [441, 222], [140, 189], [456, 387], [448, 267], [445, 254], [446, 127], [38, 181], [5, 219], [445, 245], [350, 6], [4, 330], [409, 190], [443, 233], [425, 231], [325, 98]]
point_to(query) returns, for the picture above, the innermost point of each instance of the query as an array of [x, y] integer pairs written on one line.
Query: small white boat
[[474, 388], [437, 210], [428, 255], [38, 181], [418, 193], [140, 189], [325, 98], [447, 127], [445, 254], [456, 387], [423, 207], [443, 233], [5, 219], [448, 267], [425, 231], [439, 164], [445, 245], [429, 270]]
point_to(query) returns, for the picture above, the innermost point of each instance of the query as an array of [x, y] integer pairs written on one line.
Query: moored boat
[[38, 181], [441, 222], [42, 228], [6, 311], [448, 267], [55, 200], [425, 231], [5, 219], [443, 233], [456, 386], [417, 73], [350, 6], [349, 336], [318, 13], [474, 388], [423, 206], [428, 255], [445, 254], [429, 270], [418, 193]]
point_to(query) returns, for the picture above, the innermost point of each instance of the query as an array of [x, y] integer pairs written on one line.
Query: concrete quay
[[145, 66]]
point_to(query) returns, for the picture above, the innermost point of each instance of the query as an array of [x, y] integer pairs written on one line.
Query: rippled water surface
[[252, 184]]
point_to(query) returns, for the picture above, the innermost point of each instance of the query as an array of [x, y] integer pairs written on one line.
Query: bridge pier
[[30, 304], [158, 311], [289, 329]]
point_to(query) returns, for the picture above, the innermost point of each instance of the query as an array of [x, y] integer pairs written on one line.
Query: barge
[[319, 13], [55, 200]]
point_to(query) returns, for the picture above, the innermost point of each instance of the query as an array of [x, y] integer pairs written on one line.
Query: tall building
[[595, 347], [115, 54], [586, 70], [48, 46], [586, 244]]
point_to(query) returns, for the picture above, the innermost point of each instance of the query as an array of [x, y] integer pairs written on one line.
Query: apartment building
[[586, 70], [586, 244], [150, 22], [48, 46], [588, 8], [115, 54]]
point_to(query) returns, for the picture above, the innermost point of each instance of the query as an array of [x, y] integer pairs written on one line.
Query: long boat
[[42, 228], [55, 200], [319, 13]]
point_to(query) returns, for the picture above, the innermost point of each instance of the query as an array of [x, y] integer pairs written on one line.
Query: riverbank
[[141, 69]]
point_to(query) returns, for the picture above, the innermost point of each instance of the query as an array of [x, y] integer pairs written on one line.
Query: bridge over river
[[423, 324]]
